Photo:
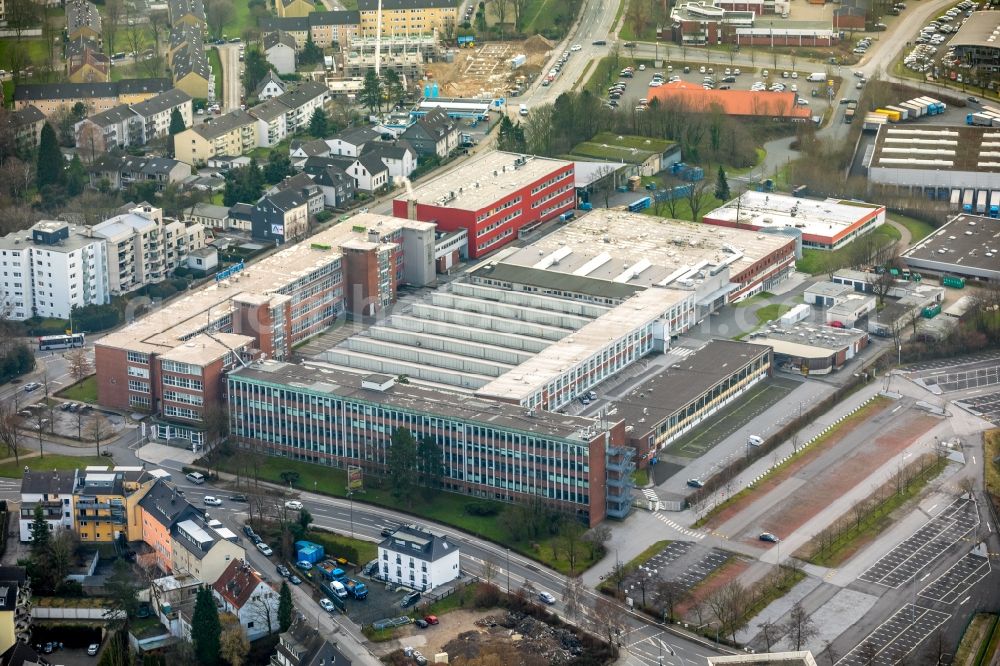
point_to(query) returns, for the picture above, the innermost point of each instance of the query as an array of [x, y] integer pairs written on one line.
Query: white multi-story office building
[[51, 268]]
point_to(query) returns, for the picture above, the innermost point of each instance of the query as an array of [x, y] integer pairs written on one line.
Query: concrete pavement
[[232, 79]]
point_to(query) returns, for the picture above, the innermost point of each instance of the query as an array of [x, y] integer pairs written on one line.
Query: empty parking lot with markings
[[925, 545], [896, 637], [986, 406], [950, 586]]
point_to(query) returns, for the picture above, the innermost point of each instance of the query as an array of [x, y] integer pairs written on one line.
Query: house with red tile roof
[[241, 591], [741, 103]]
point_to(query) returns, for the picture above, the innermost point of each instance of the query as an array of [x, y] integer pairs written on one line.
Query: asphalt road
[[229, 55]]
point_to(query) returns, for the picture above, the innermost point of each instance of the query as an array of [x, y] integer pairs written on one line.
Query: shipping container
[[915, 109], [978, 120], [518, 60], [640, 204], [968, 201], [932, 311], [904, 114], [893, 116]]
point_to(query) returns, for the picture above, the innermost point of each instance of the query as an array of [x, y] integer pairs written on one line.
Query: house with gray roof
[[418, 558], [279, 50], [269, 86]]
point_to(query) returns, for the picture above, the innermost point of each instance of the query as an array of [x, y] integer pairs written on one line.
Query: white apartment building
[[52, 268], [418, 559], [53, 492], [143, 248], [156, 112]]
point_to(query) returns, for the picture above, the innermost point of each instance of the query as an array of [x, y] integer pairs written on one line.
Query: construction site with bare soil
[[487, 71]]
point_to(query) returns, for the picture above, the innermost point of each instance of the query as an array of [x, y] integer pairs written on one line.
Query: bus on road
[[61, 341]]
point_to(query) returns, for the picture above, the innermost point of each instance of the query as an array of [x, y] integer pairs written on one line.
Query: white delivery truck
[[816, 77]]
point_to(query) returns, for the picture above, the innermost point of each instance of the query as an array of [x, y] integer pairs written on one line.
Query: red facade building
[[495, 197]]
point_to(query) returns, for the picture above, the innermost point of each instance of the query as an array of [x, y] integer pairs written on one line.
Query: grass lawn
[[991, 440], [761, 154], [455, 601], [333, 545], [641, 476], [12, 470], [976, 635], [217, 198], [814, 262], [443, 507], [34, 49], [874, 524], [918, 228], [771, 312], [216, 64], [756, 298], [240, 21], [82, 391]]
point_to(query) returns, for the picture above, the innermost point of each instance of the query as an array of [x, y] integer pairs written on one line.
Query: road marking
[[925, 577], [973, 460], [898, 407], [964, 600]]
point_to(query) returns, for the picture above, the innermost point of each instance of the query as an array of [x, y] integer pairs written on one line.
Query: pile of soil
[[537, 44]]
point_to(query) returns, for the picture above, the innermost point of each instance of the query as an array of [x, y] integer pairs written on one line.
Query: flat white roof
[[767, 210], [531, 376], [168, 327], [486, 178], [644, 250]]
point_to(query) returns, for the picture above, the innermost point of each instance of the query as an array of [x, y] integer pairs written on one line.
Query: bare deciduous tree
[[79, 364], [799, 627], [10, 435], [697, 198], [98, 430], [573, 596]]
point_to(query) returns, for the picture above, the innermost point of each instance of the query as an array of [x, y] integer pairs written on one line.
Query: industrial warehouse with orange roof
[[768, 104]]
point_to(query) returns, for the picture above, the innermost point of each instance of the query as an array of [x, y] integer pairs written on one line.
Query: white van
[[754, 440], [523, 109], [816, 77], [195, 477], [338, 589]]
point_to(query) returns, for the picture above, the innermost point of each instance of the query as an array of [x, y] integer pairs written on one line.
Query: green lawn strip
[[608, 586], [991, 442], [771, 312], [875, 522], [988, 647], [775, 592], [333, 545], [976, 635], [51, 461], [918, 228], [239, 21], [641, 476], [440, 506], [84, 390], [378, 635], [765, 484], [216, 63], [530, 26], [457, 600]]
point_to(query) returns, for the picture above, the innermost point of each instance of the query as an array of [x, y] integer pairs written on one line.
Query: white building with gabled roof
[[418, 559]]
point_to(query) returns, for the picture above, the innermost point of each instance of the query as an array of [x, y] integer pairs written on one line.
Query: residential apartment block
[[325, 28], [132, 124], [143, 248], [53, 492], [409, 17], [203, 549], [234, 133], [160, 510], [51, 268], [82, 20], [418, 559], [116, 172], [51, 97]]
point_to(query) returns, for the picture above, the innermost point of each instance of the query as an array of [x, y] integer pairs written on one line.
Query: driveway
[[232, 83]]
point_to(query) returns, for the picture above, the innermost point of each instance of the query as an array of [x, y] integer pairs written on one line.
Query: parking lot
[[695, 565], [925, 545], [953, 363], [896, 637], [723, 76], [929, 53], [950, 586], [380, 603], [980, 375], [985, 406]]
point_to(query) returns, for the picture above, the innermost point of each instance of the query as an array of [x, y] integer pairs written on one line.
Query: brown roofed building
[[744, 103]]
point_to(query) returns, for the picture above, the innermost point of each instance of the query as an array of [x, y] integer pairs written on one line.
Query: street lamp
[[350, 499], [508, 571]]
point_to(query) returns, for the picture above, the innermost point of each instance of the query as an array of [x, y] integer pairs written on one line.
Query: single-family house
[[241, 591], [418, 559], [338, 187], [270, 86], [305, 185], [299, 151], [436, 133], [279, 50], [281, 217], [210, 215], [302, 645], [351, 141], [399, 157]]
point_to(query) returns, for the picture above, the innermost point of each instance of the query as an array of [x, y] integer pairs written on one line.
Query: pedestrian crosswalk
[[680, 351], [683, 530]]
